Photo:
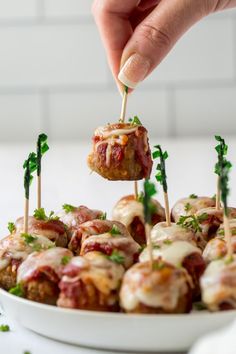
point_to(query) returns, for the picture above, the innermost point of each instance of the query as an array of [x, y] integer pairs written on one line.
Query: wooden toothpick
[[228, 237], [124, 105], [29, 166], [149, 244], [26, 216], [167, 209], [136, 189]]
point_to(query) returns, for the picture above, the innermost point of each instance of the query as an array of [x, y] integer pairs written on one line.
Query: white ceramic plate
[[114, 330]]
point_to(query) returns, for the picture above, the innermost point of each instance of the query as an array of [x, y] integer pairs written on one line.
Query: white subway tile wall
[[54, 76]]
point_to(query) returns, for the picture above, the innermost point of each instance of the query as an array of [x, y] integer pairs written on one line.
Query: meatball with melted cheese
[[53, 229], [164, 289], [14, 249], [108, 237], [121, 152], [91, 282], [180, 254], [39, 275], [129, 211], [190, 205]]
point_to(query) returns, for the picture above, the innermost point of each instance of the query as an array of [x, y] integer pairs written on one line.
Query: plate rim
[[109, 315]]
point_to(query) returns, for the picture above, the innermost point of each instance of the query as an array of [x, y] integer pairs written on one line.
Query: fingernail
[[134, 70]]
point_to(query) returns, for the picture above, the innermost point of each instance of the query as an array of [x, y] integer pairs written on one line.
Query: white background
[[54, 76]]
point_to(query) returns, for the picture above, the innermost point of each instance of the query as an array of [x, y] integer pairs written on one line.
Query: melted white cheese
[[161, 232], [173, 253], [50, 258], [125, 211], [195, 204], [218, 283], [104, 133]]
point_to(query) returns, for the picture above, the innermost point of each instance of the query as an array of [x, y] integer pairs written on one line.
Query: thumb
[[154, 37]]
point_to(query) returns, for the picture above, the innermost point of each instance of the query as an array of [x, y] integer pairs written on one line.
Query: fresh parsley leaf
[[28, 238], [11, 227], [30, 166], [116, 257], [135, 121], [40, 214], [4, 328], [68, 208], [65, 260], [202, 217], [221, 232], [158, 265], [115, 230], [27, 352], [193, 196], [167, 242], [103, 216], [229, 259], [36, 247], [187, 207], [17, 290], [190, 222], [199, 306], [141, 248]]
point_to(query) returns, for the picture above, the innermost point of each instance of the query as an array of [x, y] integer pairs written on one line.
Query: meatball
[[165, 289], [210, 221], [217, 248], [190, 205], [53, 229], [218, 285], [130, 212], [40, 273], [121, 152], [14, 249], [164, 234], [232, 224], [91, 282], [73, 217], [109, 237]]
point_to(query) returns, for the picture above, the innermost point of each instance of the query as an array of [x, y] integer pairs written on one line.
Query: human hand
[[138, 34]]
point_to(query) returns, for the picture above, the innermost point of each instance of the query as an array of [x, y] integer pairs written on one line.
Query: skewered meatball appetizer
[[180, 254], [232, 225], [53, 229], [14, 249], [121, 152], [109, 237], [190, 205], [210, 221], [91, 282], [218, 285], [39, 275], [165, 289], [129, 211], [73, 216]]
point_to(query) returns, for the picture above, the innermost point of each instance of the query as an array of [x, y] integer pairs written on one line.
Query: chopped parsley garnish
[[27, 352], [65, 260], [40, 214], [68, 208], [4, 328], [29, 238], [103, 216], [221, 232], [17, 290], [116, 257], [30, 166], [115, 230], [167, 242], [192, 222], [149, 191], [37, 247], [193, 196], [157, 247], [135, 121], [199, 306], [187, 207], [42, 148], [141, 248], [158, 265], [229, 259], [11, 227]]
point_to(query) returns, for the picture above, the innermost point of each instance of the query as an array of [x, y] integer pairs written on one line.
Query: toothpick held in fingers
[[42, 148], [161, 177], [30, 166], [124, 105], [149, 191], [221, 150]]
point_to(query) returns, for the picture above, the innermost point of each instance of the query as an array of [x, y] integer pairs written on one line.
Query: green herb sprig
[[116, 257], [161, 167], [192, 222], [17, 290], [11, 227], [221, 150], [135, 121], [68, 208], [4, 328], [114, 230], [40, 214], [224, 184], [149, 192]]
